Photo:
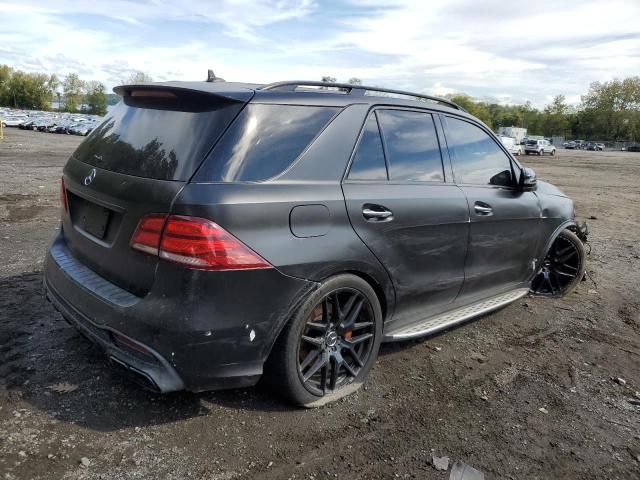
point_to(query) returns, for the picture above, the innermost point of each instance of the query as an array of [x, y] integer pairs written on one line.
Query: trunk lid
[[135, 163]]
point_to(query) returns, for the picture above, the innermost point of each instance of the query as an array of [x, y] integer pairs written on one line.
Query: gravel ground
[[540, 389]]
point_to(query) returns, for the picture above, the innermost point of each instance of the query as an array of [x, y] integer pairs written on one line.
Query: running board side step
[[454, 317]]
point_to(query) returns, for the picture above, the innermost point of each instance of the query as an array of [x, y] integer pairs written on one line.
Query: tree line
[[609, 111], [37, 91]]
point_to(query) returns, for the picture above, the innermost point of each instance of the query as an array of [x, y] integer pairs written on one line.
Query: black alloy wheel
[[326, 350], [562, 268], [336, 342]]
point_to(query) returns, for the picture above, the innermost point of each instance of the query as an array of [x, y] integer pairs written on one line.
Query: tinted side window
[[264, 141], [412, 148], [477, 158], [368, 162]]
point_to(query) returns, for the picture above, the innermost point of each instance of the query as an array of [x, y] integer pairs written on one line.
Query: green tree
[[53, 82], [40, 90], [355, 81], [95, 98], [556, 117], [611, 110], [26, 90], [5, 78], [329, 79], [138, 77], [54, 86], [478, 109], [73, 88]]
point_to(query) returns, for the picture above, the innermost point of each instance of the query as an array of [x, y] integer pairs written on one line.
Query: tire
[[540, 153], [563, 267], [553, 152], [285, 366]]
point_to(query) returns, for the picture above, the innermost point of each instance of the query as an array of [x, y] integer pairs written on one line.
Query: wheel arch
[[386, 299], [567, 224], [377, 288]]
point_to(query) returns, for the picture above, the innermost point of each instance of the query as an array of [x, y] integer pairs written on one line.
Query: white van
[[511, 145]]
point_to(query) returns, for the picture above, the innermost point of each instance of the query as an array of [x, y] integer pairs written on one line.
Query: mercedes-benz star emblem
[[332, 339], [89, 178]]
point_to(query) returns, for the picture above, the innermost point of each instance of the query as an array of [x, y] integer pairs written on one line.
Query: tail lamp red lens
[[146, 238], [63, 196], [194, 242]]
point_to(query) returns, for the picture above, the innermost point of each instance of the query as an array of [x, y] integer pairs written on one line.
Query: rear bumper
[[152, 372], [194, 330]]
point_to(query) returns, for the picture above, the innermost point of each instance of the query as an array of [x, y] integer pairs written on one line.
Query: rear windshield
[[157, 139], [263, 142]]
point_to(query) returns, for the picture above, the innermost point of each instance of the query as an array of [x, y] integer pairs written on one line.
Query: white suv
[[539, 147]]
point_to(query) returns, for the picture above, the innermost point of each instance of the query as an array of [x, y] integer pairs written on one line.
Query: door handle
[[376, 212], [483, 209]]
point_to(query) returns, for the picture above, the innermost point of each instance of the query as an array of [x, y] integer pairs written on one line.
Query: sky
[[506, 51]]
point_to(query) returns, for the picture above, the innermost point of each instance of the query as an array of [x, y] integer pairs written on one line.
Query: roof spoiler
[[220, 91]]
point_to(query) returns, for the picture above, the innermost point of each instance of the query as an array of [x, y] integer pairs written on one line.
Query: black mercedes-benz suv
[[215, 233]]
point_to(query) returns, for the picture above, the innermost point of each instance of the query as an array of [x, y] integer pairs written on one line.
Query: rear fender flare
[[385, 293], [286, 318]]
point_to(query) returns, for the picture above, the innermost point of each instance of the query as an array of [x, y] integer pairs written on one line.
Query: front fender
[[571, 224]]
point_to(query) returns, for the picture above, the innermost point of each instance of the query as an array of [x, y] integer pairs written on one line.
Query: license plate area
[[88, 216]]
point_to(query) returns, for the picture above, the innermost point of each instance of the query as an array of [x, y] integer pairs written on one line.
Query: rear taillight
[[146, 238], [195, 243], [63, 196]]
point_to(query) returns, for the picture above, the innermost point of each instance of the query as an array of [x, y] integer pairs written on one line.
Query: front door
[[504, 221], [403, 210]]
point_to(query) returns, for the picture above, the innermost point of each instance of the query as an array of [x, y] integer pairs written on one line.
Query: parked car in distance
[[570, 145], [593, 146], [41, 124], [539, 147], [82, 128], [51, 122], [216, 233], [511, 145], [13, 121]]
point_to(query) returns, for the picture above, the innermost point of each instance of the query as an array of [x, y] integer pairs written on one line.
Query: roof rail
[[355, 90]]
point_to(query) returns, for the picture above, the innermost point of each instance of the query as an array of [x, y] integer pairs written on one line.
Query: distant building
[[513, 132]]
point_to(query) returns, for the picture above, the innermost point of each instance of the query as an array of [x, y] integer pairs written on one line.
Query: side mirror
[[528, 180]]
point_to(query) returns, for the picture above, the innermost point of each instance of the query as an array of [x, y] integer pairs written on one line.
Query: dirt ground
[[546, 389]]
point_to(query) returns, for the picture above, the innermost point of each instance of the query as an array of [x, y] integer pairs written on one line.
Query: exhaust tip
[[135, 375]]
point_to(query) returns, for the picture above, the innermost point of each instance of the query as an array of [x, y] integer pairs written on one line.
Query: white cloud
[[508, 51], [493, 45]]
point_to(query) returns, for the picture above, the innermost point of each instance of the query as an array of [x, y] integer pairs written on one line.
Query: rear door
[[504, 222], [133, 164], [401, 206]]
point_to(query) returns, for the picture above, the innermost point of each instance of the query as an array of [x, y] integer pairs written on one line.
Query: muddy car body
[[215, 232]]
